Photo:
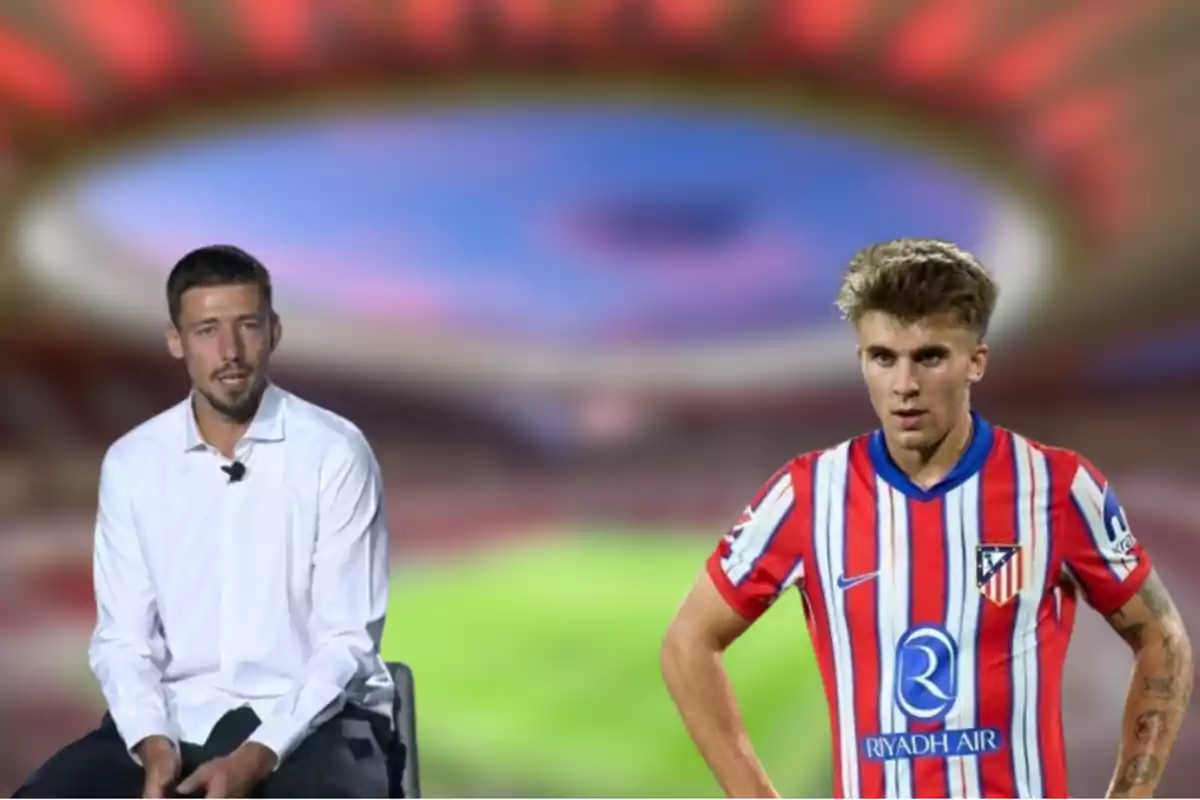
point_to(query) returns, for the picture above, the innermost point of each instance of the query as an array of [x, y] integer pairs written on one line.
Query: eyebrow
[[926, 350], [238, 318]]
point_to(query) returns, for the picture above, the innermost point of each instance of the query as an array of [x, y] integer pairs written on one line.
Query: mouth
[[909, 418], [234, 379]]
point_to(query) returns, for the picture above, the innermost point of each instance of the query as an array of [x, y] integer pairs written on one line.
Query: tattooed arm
[[1159, 692]]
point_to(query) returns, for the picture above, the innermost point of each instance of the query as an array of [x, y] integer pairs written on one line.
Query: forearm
[[132, 688], [318, 694], [700, 687], [122, 649], [349, 597], [1159, 694]]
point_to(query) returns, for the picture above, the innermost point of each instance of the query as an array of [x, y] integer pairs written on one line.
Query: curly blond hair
[[915, 278]]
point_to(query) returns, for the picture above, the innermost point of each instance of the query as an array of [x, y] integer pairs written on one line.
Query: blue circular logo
[[926, 673]]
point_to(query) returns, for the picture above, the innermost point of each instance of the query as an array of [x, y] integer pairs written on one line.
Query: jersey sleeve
[[1101, 553], [760, 556]]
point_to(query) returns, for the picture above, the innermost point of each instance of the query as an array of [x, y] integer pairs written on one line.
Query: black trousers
[[345, 757]]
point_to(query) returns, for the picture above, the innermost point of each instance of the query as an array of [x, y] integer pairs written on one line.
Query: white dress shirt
[[270, 591]]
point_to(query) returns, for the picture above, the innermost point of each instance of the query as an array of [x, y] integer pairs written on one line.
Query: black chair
[[403, 769]]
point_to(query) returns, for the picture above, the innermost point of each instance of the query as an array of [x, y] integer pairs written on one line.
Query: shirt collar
[[969, 463], [267, 425]]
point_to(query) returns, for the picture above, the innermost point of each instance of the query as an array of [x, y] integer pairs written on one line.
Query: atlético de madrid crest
[[999, 571]]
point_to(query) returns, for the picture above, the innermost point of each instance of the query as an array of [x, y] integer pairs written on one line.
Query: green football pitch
[[537, 672]]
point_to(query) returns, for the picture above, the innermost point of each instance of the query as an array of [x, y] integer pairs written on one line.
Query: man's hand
[[234, 775], [160, 760]]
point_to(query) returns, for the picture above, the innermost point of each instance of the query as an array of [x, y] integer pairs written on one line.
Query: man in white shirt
[[241, 576]]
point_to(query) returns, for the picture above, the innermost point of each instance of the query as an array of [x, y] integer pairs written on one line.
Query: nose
[[904, 379], [230, 344]]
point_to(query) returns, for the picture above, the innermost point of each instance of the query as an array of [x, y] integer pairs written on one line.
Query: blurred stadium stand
[[1089, 108]]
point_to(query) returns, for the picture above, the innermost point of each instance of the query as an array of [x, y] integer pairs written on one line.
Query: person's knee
[[88, 767], [345, 757], [368, 779], [44, 783], [55, 779]]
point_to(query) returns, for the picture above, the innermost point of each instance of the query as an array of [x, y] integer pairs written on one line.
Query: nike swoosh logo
[[845, 583]]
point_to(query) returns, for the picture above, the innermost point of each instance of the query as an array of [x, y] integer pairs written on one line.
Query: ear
[[174, 342], [979, 361], [276, 331]]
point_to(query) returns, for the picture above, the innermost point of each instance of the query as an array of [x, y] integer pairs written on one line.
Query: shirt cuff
[[280, 736], [747, 608], [283, 733], [1113, 599], [134, 729]]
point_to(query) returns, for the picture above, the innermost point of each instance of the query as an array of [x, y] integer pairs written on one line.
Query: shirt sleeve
[[121, 653], [1100, 551], [349, 597], [760, 556]]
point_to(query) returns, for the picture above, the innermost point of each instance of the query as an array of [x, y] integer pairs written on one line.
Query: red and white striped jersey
[[940, 618]]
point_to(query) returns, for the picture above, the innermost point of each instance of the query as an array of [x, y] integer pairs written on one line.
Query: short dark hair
[[215, 265], [915, 278]]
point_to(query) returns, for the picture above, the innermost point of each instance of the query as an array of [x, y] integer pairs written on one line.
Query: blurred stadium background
[[570, 265]]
